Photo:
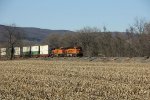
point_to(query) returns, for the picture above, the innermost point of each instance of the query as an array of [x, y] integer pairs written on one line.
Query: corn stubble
[[66, 80]]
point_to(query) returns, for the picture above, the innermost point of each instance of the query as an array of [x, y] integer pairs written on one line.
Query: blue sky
[[116, 15]]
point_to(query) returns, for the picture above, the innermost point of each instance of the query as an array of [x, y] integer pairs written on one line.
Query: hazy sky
[[116, 15]]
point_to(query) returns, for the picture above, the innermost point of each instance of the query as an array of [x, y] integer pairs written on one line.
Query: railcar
[[59, 52], [3, 52], [26, 51], [35, 51], [17, 52], [74, 52], [44, 51], [68, 52]]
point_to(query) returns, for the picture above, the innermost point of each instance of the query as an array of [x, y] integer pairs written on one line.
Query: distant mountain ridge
[[35, 34]]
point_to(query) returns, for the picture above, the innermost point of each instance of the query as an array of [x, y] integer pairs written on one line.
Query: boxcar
[[17, 52], [44, 51], [26, 51], [35, 51], [3, 52]]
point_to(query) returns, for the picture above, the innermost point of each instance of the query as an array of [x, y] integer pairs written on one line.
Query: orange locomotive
[[58, 52], [74, 52], [68, 52]]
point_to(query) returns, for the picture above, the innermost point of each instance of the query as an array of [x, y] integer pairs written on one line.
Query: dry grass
[[66, 80]]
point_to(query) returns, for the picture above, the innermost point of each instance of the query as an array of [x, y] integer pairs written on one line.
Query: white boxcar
[[3, 51], [34, 50], [26, 51], [44, 50], [17, 51]]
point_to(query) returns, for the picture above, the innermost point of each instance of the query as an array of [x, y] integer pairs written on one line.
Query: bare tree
[[147, 28], [86, 39], [105, 29], [13, 36], [68, 40], [134, 42], [138, 26], [53, 40]]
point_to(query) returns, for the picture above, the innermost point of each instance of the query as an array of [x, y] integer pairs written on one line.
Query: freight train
[[43, 51]]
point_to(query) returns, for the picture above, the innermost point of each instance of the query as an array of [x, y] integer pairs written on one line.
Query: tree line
[[94, 41], [132, 43]]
